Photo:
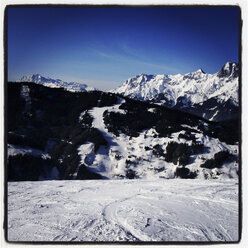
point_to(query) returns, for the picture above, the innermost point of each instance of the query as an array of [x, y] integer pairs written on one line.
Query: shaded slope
[[51, 121], [100, 135]]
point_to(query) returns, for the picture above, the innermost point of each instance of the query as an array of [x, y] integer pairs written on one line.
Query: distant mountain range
[[56, 83], [211, 96]]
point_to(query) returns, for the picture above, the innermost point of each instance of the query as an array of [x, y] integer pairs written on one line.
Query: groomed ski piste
[[154, 208], [123, 210]]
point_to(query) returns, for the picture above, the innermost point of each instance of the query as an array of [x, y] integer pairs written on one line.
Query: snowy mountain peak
[[194, 75], [229, 69], [188, 90], [37, 76], [144, 77], [229, 65], [200, 71], [56, 83]]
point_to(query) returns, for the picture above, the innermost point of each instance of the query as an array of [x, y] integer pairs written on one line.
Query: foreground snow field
[[123, 210]]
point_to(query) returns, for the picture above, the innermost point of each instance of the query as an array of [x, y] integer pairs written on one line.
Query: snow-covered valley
[[123, 210]]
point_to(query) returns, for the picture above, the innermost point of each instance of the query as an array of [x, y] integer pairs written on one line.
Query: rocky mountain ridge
[[56, 83], [212, 96]]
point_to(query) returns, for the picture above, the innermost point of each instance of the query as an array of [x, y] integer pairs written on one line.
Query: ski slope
[[123, 210]]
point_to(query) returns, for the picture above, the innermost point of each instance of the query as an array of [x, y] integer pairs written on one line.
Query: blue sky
[[104, 46]]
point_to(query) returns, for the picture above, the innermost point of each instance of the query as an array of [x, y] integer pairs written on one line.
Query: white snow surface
[[14, 150], [123, 210], [56, 83], [194, 87], [123, 153]]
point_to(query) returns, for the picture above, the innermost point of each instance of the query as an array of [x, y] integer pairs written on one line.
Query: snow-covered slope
[[123, 210], [187, 91], [99, 135], [56, 83], [142, 156]]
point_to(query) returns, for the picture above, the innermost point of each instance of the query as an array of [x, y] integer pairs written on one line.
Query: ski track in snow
[[123, 210], [103, 163]]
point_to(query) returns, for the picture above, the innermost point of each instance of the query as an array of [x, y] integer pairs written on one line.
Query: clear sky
[[104, 46]]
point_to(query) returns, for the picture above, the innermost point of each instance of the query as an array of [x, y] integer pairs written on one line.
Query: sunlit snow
[[123, 210], [56, 83], [194, 87], [111, 161]]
